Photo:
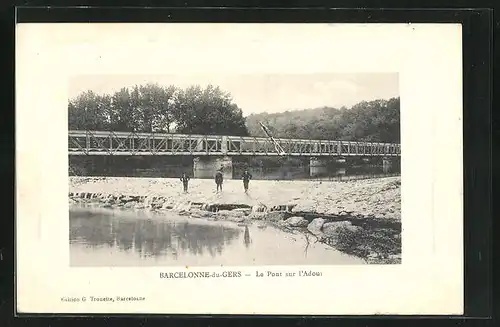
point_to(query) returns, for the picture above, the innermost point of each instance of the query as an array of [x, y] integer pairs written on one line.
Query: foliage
[[377, 121], [153, 108], [375, 244], [210, 110]]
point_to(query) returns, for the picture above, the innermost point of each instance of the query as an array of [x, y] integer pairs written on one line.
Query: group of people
[[219, 179]]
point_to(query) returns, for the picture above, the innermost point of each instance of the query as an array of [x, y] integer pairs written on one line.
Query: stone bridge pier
[[318, 166], [386, 164], [206, 166]]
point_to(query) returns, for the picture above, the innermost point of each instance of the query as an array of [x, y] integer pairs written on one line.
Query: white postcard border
[[429, 62]]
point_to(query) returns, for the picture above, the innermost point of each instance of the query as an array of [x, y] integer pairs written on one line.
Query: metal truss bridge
[[130, 143]]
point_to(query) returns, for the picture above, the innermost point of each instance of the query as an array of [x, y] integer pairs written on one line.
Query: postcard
[[292, 169]]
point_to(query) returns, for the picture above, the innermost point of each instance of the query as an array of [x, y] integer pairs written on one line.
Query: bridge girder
[[130, 143]]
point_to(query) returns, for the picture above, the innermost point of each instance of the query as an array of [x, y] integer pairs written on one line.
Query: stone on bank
[[315, 226], [341, 233], [230, 213], [296, 221], [332, 228], [257, 215], [277, 216]]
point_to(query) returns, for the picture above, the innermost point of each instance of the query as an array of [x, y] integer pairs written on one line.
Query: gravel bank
[[379, 198]]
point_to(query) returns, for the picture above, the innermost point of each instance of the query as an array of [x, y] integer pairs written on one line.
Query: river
[[114, 237], [173, 167]]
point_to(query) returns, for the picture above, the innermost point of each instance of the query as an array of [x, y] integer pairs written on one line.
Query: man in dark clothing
[[219, 178], [185, 181], [246, 179]]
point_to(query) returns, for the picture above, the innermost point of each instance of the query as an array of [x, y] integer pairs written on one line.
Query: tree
[[153, 108], [89, 111], [208, 111], [122, 112], [166, 109]]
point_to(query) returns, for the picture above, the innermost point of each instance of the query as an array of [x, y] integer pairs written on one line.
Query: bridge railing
[[130, 143]]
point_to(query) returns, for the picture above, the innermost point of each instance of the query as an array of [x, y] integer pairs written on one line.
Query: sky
[[260, 93]]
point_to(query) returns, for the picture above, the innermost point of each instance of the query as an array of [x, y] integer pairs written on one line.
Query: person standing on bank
[[185, 181], [219, 178], [246, 179]]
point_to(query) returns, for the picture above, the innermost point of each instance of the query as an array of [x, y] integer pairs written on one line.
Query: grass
[[375, 245]]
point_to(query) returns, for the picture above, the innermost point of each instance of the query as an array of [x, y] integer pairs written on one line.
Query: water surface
[[117, 237]]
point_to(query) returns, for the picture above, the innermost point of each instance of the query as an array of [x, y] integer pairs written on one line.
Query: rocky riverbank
[[361, 218]]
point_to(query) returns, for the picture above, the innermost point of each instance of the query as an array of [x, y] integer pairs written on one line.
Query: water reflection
[[150, 238], [246, 237], [101, 237]]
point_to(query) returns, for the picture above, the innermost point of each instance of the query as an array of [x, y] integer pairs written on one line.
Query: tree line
[[210, 110], [155, 108], [375, 121]]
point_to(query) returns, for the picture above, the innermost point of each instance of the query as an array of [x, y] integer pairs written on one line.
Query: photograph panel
[[234, 170]]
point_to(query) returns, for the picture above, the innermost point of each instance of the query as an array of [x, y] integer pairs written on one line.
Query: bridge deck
[[125, 143]]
